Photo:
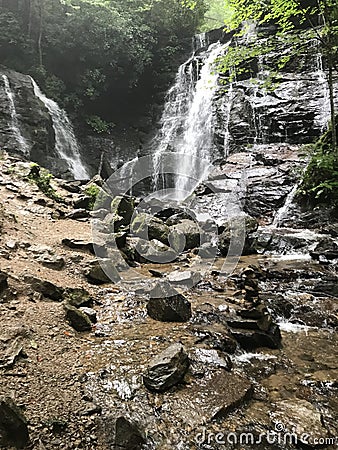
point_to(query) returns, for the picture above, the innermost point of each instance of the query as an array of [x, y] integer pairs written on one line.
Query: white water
[[282, 213], [15, 127], [188, 125], [66, 144]]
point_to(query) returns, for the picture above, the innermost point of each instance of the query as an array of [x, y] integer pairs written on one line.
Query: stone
[[78, 297], [127, 435], [78, 244], [44, 287], [212, 397], [235, 235], [82, 202], [186, 278], [251, 339], [52, 261], [123, 207], [80, 213], [77, 319], [189, 230], [13, 425], [90, 313], [3, 282], [211, 358], [166, 369], [148, 227], [216, 336], [90, 410], [152, 251], [325, 250], [167, 305], [101, 271]]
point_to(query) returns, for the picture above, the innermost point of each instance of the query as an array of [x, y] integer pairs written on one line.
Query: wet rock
[[13, 425], [235, 235], [251, 339], [127, 435], [187, 230], [185, 278], [167, 369], [46, 288], [325, 251], [77, 319], [214, 396], [210, 358], [101, 271], [151, 251], [215, 335], [167, 305], [3, 282], [148, 227], [124, 208], [302, 418], [90, 313], [71, 186], [327, 286]]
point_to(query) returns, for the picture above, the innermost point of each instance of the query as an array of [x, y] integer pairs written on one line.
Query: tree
[[319, 15]]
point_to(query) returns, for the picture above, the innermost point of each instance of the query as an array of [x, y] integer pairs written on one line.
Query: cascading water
[[15, 127], [66, 144], [188, 124]]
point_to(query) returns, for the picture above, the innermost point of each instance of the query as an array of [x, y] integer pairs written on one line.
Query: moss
[[42, 178], [92, 191]]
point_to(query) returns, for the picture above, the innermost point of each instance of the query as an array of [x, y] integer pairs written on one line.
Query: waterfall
[[66, 144], [187, 124], [15, 127]]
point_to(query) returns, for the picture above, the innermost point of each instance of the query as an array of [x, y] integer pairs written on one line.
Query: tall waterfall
[[187, 124], [15, 127], [66, 144]]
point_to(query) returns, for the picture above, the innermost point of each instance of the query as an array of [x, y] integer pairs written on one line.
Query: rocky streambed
[[171, 356]]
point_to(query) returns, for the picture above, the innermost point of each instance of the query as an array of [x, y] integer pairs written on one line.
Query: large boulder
[[13, 425], [101, 271], [77, 319], [148, 227], [44, 287], [236, 235], [186, 231], [167, 369], [123, 207], [167, 305]]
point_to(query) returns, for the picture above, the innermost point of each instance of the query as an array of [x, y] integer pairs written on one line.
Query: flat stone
[[52, 261], [80, 213], [252, 339], [78, 297], [212, 397], [13, 425], [46, 288], [185, 278], [167, 369]]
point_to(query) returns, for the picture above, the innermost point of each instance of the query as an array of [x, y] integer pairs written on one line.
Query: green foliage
[[320, 181], [99, 125], [219, 13], [92, 191], [42, 178], [92, 55]]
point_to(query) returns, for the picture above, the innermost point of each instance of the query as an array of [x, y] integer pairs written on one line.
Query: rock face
[[13, 425], [167, 369], [167, 305]]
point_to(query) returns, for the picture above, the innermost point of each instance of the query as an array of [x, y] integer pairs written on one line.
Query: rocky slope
[[165, 365]]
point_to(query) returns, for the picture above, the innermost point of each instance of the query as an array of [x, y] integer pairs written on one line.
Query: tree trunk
[[332, 108], [40, 32], [30, 17]]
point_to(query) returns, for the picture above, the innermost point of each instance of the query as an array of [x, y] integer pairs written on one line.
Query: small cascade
[[227, 107], [15, 127], [323, 83], [200, 41], [66, 144], [188, 124], [282, 213]]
